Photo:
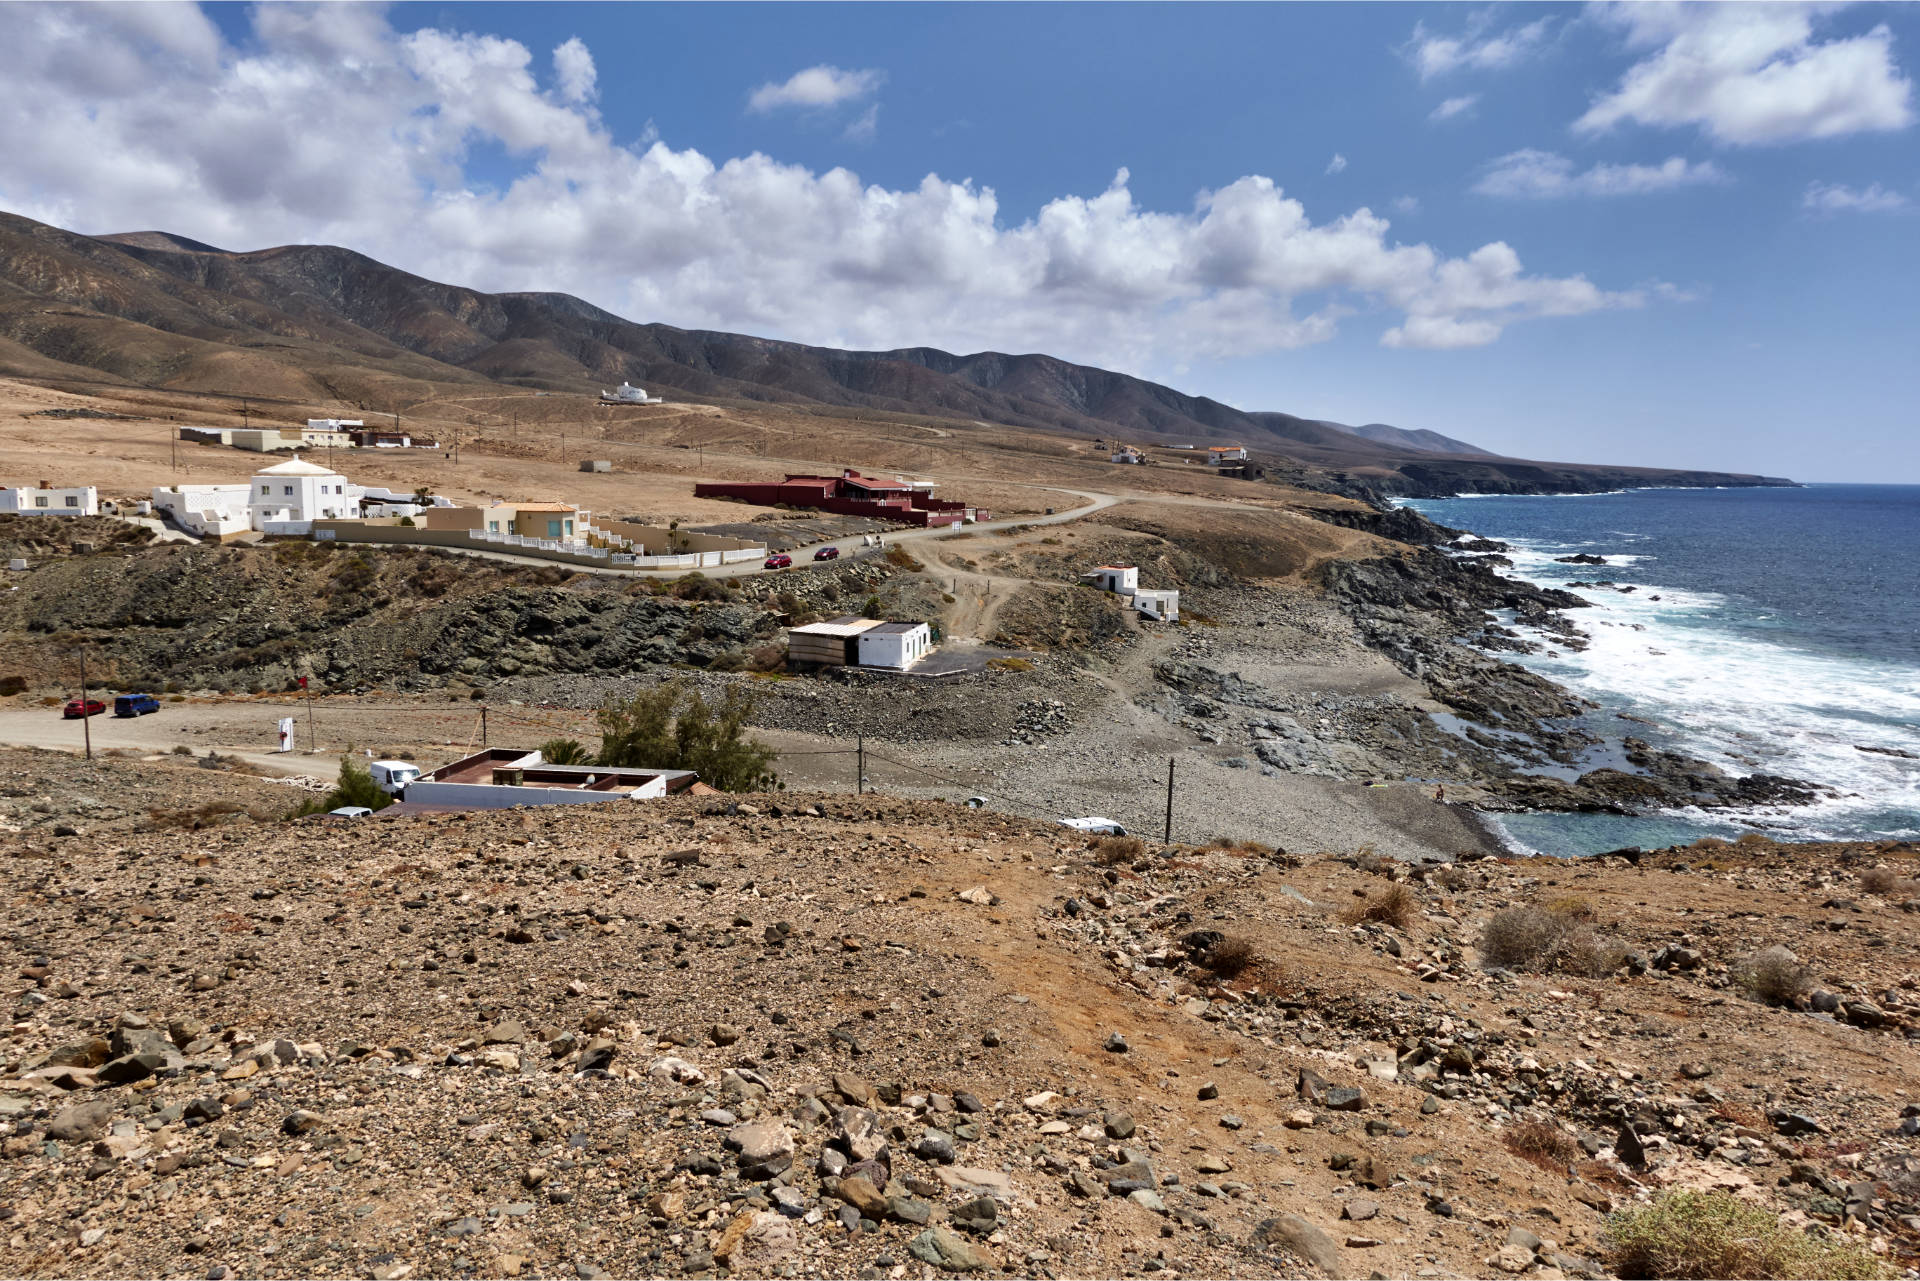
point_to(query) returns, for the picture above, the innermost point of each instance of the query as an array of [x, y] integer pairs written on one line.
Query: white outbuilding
[[896, 646], [49, 500], [628, 394]]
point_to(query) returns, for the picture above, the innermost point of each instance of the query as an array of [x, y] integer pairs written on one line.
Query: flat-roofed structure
[[834, 643], [502, 777]]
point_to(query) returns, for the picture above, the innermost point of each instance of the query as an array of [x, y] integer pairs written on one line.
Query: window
[[73, 500], [569, 529], [41, 501], [287, 490], [553, 529], [265, 490], [493, 527]]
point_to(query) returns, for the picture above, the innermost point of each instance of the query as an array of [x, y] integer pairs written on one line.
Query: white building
[[207, 511], [1124, 581], [334, 424], [288, 497], [628, 394], [48, 500], [897, 646], [1217, 454], [1128, 454], [1121, 579], [283, 499]]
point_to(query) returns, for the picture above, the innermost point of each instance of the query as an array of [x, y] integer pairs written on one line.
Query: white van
[[392, 777]]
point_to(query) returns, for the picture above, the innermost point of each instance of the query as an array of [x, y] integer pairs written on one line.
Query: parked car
[[827, 553], [349, 811], [1094, 825], [78, 711], [135, 705], [781, 561]]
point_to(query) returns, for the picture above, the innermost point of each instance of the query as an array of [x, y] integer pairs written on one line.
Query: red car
[[827, 553], [77, 711], [782, 561]]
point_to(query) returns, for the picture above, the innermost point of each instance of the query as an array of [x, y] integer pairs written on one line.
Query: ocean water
[[1773, 630]]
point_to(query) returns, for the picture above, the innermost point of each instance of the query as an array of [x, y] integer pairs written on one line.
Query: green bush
[[356, 787], [652, 729], [1686, 1234], [564, 751]]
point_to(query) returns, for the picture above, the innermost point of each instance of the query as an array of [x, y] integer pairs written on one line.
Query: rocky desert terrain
[[818, 1034]]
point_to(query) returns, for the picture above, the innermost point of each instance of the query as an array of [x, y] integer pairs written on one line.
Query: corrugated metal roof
[[841, 627], [897, 628]]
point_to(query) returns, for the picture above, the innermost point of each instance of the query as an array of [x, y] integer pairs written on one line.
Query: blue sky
[[1661, 235]]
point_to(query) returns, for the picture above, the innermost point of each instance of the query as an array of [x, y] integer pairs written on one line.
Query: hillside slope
[[321, 323]]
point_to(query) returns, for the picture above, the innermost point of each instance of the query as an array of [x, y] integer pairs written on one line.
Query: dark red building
[[848, 494]]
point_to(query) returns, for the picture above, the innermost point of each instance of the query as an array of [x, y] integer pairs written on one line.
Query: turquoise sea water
[[1773, 630]]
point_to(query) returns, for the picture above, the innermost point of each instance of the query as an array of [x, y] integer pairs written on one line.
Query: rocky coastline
[[1434, 614]]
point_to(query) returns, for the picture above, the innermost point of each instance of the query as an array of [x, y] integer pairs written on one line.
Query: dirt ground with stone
[[809, 1034]]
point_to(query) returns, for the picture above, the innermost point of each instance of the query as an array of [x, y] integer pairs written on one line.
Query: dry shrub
[[1687, 1234], [1371, 863], [901, 558], [1773, 975], [1452, 876], [1541, 1143], [1543, 940], [199, 816], [1395, 905], [1112, 851], [1888, 883], [1010, 664], [1233, 956], [1572, 906]]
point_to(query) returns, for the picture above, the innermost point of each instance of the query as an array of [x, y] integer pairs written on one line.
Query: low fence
[[565, 551]]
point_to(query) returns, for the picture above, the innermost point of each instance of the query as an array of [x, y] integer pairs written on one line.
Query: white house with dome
[[628, 394], [285, 498]]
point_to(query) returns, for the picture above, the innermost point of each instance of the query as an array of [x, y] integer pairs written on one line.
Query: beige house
[[536, 520]]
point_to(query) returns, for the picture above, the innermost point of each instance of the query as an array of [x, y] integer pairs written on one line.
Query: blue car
[[135, 704]]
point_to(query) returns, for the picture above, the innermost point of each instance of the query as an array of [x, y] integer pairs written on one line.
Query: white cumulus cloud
[[1547, 175], [1833, 197], [820, 86], [327, 125], [1752, 74], [1337, 164], [1476, 49], [1454, 107]]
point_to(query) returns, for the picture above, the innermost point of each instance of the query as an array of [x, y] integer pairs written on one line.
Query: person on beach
[[1440, 793]]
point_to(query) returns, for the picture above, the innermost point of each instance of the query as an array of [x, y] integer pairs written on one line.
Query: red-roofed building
[[849, 494]]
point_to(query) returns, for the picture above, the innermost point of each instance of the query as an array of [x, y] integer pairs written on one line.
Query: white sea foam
[[1744, 702]]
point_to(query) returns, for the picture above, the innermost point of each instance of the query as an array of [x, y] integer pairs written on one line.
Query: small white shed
[[1121, 579], [895, 645]]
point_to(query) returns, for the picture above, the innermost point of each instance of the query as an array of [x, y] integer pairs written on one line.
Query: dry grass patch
[[1395, 905], [1773, 975], [1233, 956], [1112, 851], [1541, 1143], [1888, 883], [1542, 940], [1687, 1234]]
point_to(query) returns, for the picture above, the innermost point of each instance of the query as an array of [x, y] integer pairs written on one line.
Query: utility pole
[[246, 413], [173, 448], [860, 766], [86, 721], [1168, 838], [312, 745], [483, 724]]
